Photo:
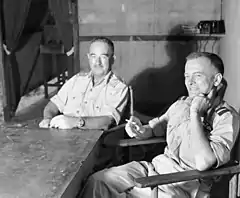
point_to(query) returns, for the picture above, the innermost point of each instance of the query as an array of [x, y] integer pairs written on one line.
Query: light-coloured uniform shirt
[[78, 97], [221, 129]]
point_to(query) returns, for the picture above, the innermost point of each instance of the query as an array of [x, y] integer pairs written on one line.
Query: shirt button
[[85, 102], [78, 111]]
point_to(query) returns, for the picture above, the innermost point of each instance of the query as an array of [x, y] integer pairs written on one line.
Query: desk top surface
[[41, 162]]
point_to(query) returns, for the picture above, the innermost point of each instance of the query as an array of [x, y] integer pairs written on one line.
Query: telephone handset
[[222, 88], [218, 95], [219, 91]]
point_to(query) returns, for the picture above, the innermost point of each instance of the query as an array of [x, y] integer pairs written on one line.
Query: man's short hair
[[216, 61], [104, 40]]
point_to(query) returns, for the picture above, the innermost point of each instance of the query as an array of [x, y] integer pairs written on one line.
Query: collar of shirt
[[105, 80]]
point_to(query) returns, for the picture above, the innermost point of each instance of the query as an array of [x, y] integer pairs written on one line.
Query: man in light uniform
[[200, 131], [95, 100]]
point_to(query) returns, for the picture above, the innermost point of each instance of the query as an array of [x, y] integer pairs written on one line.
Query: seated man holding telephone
[[200, 130]]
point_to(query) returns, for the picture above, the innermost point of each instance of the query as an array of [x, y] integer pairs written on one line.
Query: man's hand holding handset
[[202, 103]]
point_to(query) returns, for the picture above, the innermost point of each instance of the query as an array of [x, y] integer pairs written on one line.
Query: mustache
[[98, 65]]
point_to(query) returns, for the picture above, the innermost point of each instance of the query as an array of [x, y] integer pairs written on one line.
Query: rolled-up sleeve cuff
[[153, 123], [58, 102], [156, 127]]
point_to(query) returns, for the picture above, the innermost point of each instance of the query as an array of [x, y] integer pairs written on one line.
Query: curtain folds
[[13, 14]]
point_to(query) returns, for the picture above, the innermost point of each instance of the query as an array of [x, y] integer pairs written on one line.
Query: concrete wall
[[230, 51], [153, 68]]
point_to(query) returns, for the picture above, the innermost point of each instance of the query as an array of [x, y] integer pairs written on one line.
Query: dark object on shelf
[[211, 27]]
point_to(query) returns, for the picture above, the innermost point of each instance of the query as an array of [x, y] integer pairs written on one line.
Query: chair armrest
[[113, 142], [116, 128], [130, 142], [153, 181], [134, 141]]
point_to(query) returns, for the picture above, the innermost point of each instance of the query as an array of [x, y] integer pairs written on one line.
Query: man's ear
[[112, 59], [217, 79]]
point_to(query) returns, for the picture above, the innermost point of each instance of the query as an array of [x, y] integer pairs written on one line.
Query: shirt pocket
[[75, 100], [97, 107]]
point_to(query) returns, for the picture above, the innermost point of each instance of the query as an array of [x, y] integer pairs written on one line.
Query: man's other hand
[[63, 122], [134, 128], [201, 104], [45, 123]]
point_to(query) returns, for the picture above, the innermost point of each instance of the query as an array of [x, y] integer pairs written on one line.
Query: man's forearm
[[98, 122], [50, 110], [204, 156], [148, 132]]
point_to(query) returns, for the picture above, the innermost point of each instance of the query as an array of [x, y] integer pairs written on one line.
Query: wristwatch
[[80, 123]]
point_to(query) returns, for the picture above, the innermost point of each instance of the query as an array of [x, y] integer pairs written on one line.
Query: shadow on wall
[[156, 88]]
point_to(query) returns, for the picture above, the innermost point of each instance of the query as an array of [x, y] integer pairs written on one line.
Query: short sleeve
[[159, 124], [116, 101], [223, 136], [60, 99]]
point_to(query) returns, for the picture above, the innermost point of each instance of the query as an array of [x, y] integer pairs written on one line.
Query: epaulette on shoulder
[[220, 111], [121, 79], [116, 80], [183, 98]]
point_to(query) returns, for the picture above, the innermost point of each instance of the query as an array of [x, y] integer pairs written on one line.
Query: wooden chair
[[232, 169]]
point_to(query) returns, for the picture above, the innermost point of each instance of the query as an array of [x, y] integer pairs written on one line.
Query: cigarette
[[129, 121], [133, 123]]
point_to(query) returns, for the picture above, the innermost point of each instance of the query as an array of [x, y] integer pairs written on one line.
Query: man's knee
[[104, 176], [97, 176], [98, 181], [94, 186]]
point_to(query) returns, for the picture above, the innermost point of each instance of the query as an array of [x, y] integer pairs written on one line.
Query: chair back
[[235, 154], [229, 182], [227, 186], [128, 111]]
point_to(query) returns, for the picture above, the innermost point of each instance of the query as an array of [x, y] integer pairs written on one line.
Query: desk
[[46, 163]]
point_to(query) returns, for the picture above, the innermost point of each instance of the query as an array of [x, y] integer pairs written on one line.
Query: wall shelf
[[160, 37]]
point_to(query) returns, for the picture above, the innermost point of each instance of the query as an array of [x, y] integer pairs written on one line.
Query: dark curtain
[[61, 10], [13, 15]]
